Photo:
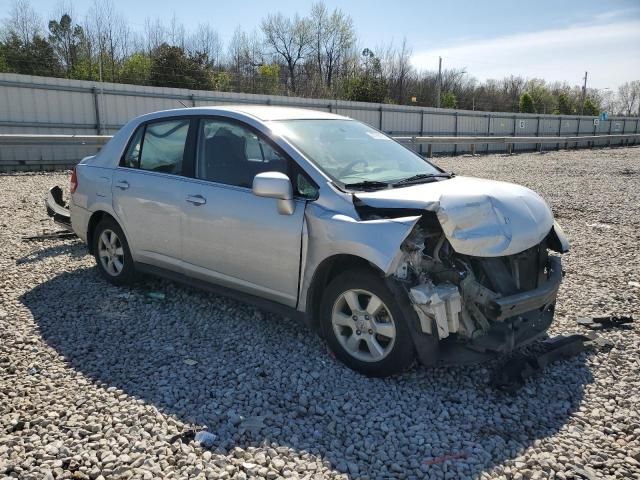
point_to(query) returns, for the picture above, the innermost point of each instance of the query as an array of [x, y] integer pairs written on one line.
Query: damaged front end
[[482, 305]]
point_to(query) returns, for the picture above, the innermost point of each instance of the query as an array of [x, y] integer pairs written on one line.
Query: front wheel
[[364, 325]]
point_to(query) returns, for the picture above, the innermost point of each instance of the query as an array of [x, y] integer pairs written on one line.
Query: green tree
[[36, 57], [65, 38], [136, 69], [172, 67], [448, 100], [269, 78], [222, 81], [591, 108], [364, 88], [565, 104], [526, 103], [85, 69], [542, 97]]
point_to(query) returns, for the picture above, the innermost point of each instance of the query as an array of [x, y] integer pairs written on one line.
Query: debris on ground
[[156, 295], [190, 362], [607, 322], [634, 284], [186, 436], [511, 376], [57, 235], [205, 439], [598, 225]]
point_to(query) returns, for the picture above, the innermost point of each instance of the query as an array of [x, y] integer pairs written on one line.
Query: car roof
[[265, 113]]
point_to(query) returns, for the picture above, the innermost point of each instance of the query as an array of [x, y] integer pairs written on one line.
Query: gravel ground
[[95, 380]]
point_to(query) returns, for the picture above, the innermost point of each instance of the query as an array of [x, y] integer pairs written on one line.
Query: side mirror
[[275, 185]]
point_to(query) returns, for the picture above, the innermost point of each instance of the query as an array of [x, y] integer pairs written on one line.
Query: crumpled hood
[[484, 218]]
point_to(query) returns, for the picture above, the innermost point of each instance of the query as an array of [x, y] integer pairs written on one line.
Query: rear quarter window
[[131, 158]]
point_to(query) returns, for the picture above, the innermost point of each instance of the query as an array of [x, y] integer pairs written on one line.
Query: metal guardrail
[[28, 139], [36, 139], [508, 141]]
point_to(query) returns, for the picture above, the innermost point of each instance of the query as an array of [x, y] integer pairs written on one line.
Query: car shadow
[[262, 377], [76, 249]]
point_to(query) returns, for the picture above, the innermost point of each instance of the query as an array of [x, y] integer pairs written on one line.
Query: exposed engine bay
[[488, 303]]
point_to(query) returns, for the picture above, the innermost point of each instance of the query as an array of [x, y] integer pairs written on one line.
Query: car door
[[148, 191], [231, 236]]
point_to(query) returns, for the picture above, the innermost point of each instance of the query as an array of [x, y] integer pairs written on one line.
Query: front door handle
[[122, 184], [196, 199]]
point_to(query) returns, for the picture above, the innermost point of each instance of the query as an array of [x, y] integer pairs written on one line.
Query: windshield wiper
[[421, 177], [367, 184]]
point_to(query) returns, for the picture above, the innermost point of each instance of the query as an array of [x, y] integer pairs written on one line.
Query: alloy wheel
[[111, 252], [363, 325]]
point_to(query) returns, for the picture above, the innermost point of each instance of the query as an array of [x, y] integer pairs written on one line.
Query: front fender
[[331, 233]]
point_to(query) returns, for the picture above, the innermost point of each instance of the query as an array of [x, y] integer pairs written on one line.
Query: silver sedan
[[388, 257]]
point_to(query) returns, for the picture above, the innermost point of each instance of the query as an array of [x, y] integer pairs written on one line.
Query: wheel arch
[[329, 269], [94, 220]]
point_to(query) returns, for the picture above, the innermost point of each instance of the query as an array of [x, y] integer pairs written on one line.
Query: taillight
[[74, 180]]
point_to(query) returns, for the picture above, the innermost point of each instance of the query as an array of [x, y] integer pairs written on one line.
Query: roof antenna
[[182, 103]]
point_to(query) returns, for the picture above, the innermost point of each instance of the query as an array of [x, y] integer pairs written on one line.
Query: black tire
[[401, 354], [127, 274]]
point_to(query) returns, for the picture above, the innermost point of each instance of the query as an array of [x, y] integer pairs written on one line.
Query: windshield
[[352, 152]]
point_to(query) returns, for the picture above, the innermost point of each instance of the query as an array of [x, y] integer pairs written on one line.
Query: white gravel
[[95, 380]]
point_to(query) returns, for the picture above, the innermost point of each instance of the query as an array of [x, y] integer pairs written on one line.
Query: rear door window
[[163, 146]]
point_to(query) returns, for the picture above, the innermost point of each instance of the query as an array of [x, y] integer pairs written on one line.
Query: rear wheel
[[112, 253], [364, 325]]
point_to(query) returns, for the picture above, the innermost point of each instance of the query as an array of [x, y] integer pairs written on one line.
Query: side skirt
[[269, 305]]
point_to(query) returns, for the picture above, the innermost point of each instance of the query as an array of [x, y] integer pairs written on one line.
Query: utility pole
[[101, 94], [439, 85], [584, 94]]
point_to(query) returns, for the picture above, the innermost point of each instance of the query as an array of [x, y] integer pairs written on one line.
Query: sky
[[557, 40]]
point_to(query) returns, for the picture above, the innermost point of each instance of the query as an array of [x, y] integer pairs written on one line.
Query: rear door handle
[[196, 199], [122, 184]]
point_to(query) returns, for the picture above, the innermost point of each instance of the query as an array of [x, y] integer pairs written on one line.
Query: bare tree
[[319, 21], [207, 41], [398, 69], [88, 46], [176, 32], [23, 21], [154, 33], [289, 38], [512, 87], [333, 37], [236, 50], [608, 100], [629, 97], [98, 14]]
